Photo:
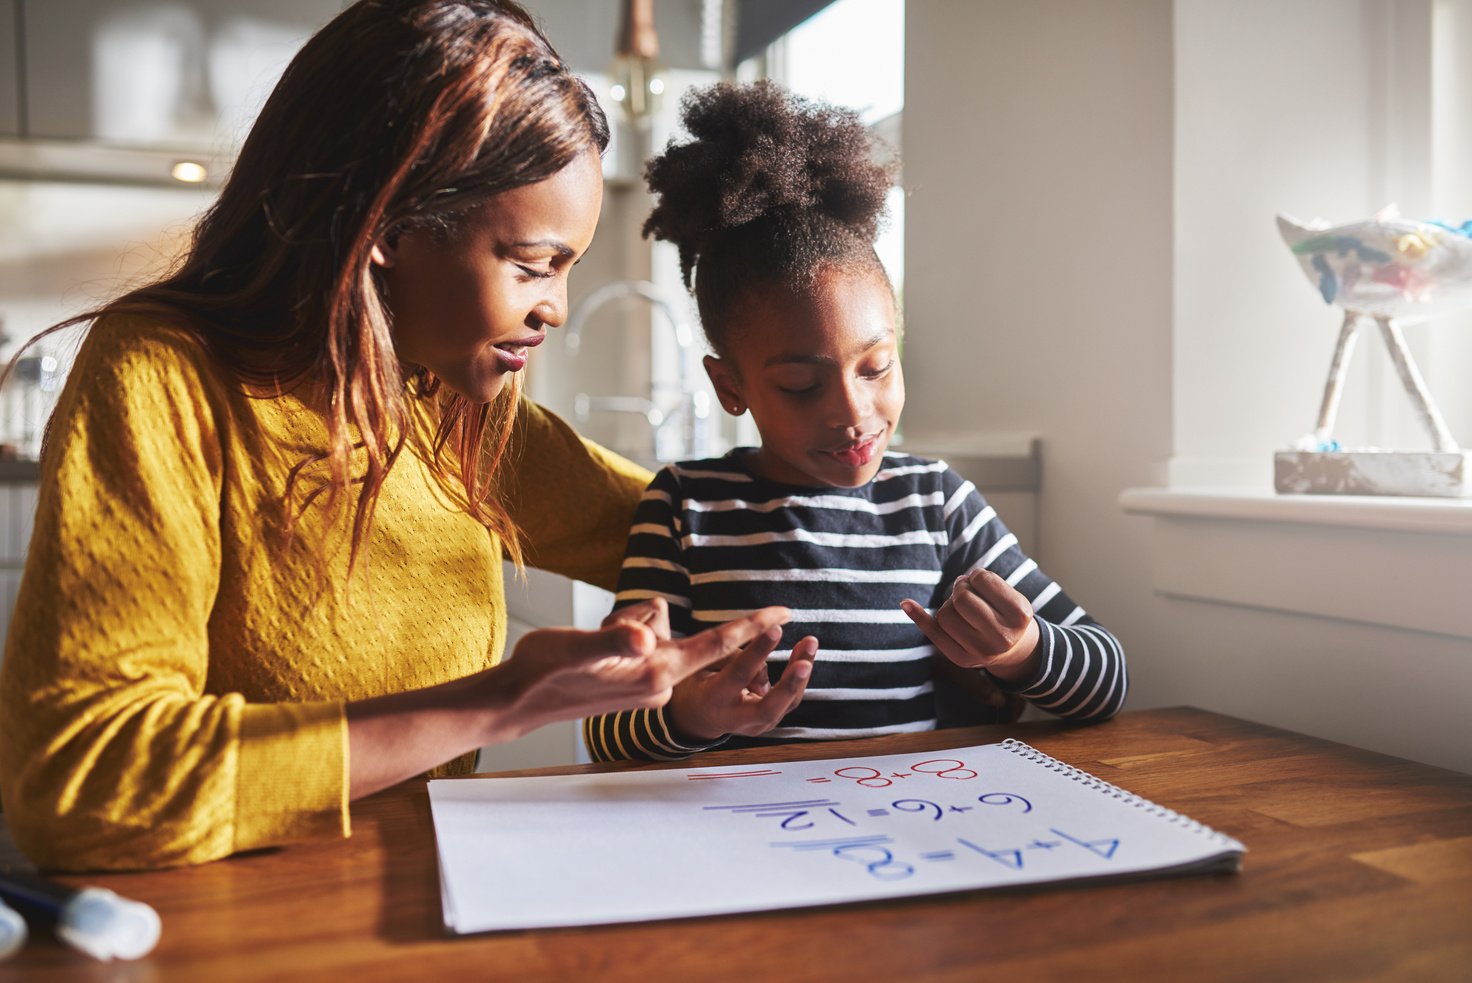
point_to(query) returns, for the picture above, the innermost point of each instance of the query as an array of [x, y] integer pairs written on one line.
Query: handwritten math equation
[[828, 825]]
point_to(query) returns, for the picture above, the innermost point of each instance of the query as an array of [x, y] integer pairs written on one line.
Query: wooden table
[[1359, 867]]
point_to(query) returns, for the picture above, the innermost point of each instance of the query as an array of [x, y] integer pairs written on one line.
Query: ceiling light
[[188, 172]]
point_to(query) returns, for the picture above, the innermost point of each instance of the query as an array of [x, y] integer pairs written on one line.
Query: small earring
[[735, 409]]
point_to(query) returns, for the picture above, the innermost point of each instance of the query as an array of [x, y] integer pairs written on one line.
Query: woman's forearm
[[555, 674], [394, 737]]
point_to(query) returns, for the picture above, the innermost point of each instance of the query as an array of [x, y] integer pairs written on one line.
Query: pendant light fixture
[[638, 81]]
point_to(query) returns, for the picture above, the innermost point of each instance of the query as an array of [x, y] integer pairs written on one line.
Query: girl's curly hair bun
[[803, 182]]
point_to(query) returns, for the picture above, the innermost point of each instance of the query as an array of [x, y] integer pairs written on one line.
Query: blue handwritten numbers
[[1104, 848], [1004, 799], [1007, 858], [919, 805], [892, 838], [870, 851]]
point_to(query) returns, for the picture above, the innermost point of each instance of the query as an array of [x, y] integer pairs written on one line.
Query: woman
[[266, 572]]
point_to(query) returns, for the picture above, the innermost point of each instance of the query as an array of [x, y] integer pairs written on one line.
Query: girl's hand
[[737, 696], [984, 624]]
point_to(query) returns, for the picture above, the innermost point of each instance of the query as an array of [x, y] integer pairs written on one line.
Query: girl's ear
[[727, 385]]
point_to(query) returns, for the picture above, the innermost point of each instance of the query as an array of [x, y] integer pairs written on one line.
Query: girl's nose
[[851, 406]]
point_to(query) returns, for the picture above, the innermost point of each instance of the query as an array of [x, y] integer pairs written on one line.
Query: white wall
[[1091, 256], [1037, 155]]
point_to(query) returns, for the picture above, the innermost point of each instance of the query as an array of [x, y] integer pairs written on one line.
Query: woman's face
[[471, 305], [820, 373]]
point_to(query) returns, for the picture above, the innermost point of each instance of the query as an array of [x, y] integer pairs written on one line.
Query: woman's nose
[[551, 310]]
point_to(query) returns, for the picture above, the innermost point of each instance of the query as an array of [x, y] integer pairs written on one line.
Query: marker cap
[[106, 926], [12, 931]]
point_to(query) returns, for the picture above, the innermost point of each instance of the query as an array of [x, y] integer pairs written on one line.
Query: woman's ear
[[385, 251], [727, 385]]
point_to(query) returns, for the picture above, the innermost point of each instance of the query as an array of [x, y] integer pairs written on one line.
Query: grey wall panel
[[10, 92]]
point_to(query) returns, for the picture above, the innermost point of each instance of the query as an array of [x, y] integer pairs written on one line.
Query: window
[[1336, 119], [852, 53]]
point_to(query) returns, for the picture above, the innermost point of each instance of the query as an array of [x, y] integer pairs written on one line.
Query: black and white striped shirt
[[717, 542]]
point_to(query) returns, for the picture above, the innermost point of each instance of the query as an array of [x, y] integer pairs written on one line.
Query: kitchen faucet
[[690, 408]]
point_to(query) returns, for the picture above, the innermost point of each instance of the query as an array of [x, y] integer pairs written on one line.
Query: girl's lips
[[859, 454]]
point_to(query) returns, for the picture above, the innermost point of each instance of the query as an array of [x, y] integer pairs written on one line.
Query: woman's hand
[[562, 674], [654, 612], [555, 674], [985, 624], [737, 696]]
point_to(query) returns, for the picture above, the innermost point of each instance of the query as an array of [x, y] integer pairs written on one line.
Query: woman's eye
[[880, 372], [535, 273], [799, 390]]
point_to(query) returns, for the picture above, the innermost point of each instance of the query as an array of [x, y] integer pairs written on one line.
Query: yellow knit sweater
[[174, 682]]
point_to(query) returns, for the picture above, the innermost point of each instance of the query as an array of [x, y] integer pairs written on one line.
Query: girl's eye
[[535, 273], [798, 390]]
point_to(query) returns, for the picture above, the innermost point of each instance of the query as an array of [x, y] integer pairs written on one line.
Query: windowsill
[[1394, 562], [1425, 515]]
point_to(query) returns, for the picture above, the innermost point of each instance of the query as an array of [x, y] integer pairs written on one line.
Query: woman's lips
[[857, 454], [512, 355]]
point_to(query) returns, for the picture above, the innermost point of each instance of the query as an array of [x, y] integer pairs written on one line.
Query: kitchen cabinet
[[156, 73], [122, 90]]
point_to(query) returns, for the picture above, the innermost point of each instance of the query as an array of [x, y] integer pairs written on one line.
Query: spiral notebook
[[517, 853]]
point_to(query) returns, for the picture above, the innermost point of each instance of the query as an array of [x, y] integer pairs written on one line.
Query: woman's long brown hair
[[398, 114]]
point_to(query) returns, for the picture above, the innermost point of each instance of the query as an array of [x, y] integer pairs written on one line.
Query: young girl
[[276, 493], [774, 204]]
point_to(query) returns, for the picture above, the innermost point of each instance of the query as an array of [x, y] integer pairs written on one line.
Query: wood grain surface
[[1359, 867]]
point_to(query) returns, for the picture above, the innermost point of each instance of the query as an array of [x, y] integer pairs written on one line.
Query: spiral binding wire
[[1088, 780]]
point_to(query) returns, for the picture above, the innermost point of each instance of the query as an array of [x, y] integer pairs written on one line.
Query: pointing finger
[[938, 636], [707, 646]]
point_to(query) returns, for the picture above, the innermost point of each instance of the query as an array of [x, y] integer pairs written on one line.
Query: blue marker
[[92, 919]]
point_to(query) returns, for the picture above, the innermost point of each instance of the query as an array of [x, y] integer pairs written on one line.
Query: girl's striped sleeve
[[1082, 673], [653, 567]]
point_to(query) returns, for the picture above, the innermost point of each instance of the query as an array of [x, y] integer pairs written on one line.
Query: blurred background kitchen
[[1102, 329]]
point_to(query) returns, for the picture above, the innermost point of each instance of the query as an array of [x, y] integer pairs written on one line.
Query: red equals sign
[[732, 774], [820, 779]]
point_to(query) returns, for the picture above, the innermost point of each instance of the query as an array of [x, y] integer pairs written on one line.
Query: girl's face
[[821, 375], [471, 305]]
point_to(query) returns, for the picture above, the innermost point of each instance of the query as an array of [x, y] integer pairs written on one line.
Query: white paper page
[[591, 849]]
